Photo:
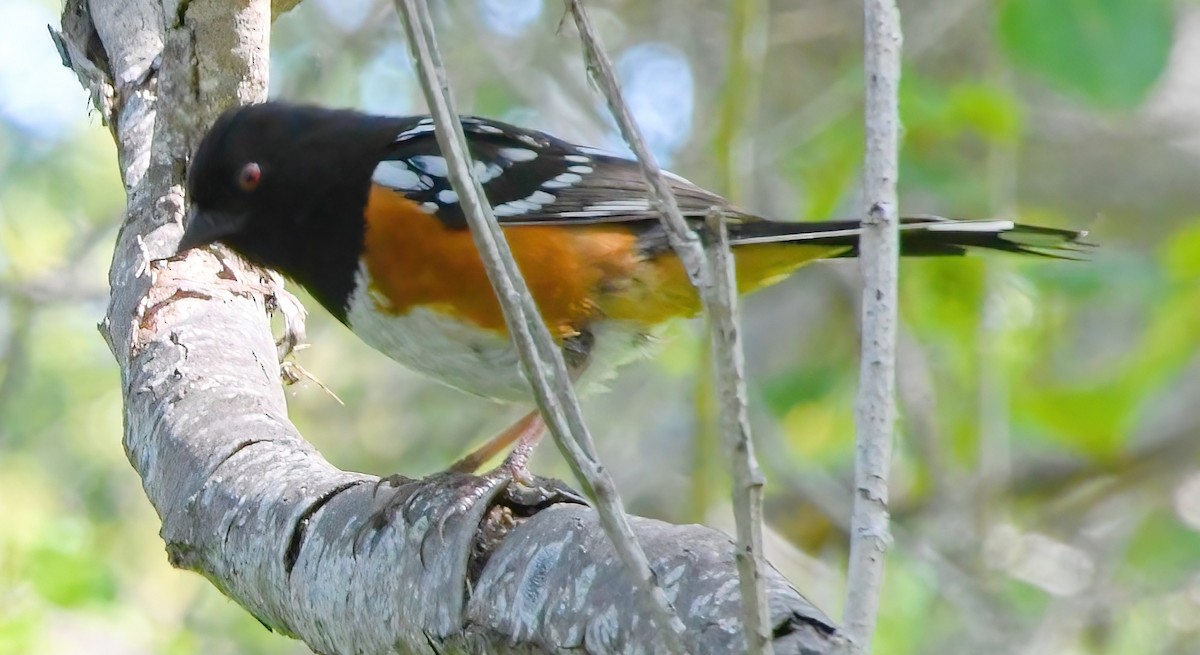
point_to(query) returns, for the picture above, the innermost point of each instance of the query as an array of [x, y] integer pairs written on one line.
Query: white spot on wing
[[509, 209], [800, 236], [518, 154], [424, 126], [610, 208], [563, 181], [430, 207], [578, 159], [447, 196], [541, 197], [582, 170], [479, 125], [624, 205], [486, 171], [521, 206], [395, 175], [434, 165], [966, 226], [590, 213]]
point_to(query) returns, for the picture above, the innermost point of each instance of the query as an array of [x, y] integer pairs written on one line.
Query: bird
[[358, 210]]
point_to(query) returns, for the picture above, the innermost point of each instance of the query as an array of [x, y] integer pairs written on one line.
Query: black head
[[285, 186]]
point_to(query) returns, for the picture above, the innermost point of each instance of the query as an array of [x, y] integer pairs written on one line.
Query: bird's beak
[[205, 227]]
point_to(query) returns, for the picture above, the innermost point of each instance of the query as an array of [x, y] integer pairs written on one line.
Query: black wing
[[531, 178]]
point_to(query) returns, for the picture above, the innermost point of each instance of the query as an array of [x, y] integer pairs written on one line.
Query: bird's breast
[[440, 343]]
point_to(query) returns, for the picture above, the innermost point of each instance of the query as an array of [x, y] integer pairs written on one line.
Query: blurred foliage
[[1047, 480], [1071, 44]]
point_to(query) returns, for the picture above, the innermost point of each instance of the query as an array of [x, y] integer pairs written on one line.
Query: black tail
[[924, 236]]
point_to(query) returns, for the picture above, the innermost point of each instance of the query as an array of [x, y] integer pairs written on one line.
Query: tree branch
[[455, 563], [875, 408]]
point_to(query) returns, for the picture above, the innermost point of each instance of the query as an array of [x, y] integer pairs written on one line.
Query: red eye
[[249, 177]]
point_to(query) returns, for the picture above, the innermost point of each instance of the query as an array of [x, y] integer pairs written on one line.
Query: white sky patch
[[660, 91], [386, 85], [37, 93], [347, 15], [509, 17]]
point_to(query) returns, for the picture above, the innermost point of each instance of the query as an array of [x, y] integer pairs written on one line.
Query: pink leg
[[525, 433]]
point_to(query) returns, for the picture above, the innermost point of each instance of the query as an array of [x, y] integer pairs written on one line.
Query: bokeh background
[[1047, 474]]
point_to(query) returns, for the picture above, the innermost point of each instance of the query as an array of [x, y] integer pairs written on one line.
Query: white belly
[[478, 361]]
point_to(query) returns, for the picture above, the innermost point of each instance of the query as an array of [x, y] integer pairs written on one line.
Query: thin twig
[[727, 351], [875, 409], [748, 479], [685, 242], [541, 360]]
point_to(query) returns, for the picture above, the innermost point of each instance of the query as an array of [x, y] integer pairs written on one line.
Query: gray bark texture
[[342, 561]]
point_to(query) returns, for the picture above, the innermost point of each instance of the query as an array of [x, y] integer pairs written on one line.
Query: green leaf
[[1108, 52]]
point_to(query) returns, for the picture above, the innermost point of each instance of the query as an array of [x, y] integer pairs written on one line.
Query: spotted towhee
[[359, 211]]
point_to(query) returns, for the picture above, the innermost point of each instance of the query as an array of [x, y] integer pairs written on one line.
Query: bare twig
[[735, 418], [682, 238], [875, 409], [541, 360], [719, 301]]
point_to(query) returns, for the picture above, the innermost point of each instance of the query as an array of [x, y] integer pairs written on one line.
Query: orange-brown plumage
[[416, 260]]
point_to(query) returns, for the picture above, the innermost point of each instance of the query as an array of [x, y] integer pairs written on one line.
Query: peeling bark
[[340, 560]]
